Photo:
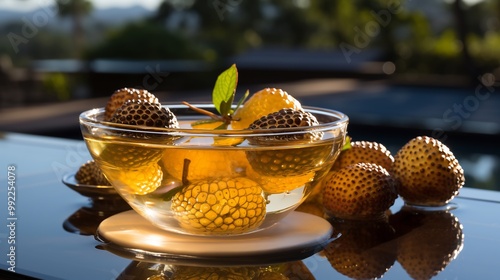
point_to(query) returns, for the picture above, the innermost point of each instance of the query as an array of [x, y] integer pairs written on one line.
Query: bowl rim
[[88, 117]]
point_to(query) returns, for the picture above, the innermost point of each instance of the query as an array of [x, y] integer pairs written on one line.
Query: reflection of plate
[[297, 236], [94, 192]]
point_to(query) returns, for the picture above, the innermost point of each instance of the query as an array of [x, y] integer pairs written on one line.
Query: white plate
[[296, 236]]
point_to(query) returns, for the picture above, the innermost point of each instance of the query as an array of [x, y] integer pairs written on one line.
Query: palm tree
[[76, 10]]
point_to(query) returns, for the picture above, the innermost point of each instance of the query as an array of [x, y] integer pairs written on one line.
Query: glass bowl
[[200, 180]]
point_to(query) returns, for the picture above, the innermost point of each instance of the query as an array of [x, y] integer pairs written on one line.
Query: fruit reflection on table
[[423, 241], [158, 271]]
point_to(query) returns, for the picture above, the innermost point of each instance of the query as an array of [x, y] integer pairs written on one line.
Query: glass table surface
[[48, 232]]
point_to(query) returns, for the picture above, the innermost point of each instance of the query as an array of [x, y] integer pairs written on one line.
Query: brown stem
[[185, 171], [202, 111]]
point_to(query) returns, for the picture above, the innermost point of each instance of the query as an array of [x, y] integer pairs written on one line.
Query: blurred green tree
[[145, 40], [76, 10]]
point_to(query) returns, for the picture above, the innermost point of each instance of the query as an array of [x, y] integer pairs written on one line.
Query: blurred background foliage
[[420, 37]]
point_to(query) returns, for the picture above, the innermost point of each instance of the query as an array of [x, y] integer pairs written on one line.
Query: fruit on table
[[365, 151], [428, 172], [89, 173], [119, 97], [427, 241], [359, 191], [262, 103], [227, 205]]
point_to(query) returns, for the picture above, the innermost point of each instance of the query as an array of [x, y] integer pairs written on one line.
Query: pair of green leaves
[[224, 92]]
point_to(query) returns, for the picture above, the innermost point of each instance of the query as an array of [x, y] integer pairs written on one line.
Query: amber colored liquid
[[147, 175]]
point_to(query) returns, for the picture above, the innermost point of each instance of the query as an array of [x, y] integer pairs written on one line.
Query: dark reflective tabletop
[[48, 232]]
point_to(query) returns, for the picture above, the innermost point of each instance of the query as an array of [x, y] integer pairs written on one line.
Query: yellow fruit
[[204, 163], [218, 140], [139, 181], [228, 205], [280, 184], [262, 103]]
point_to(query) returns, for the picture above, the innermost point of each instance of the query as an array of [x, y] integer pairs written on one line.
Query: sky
[[27, 5]]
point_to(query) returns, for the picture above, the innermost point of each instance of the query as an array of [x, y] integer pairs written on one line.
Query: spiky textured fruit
[[261, 103], [364, 250], [89, 173], [428, 172], [119, 97], [359, 191], [286, 118], [227, 205], [365, 151], [133, 112], [427, 241]]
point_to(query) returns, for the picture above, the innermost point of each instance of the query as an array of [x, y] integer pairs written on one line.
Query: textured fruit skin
[[215, 273], [119, 97], [230, 205], [129, 156], [365, 151], [261, 103], [427, 241], [364, 250], [133, 112], [289, 162], [286, 118], [140, 181], [359, 191], [90, 174], [428, 172]]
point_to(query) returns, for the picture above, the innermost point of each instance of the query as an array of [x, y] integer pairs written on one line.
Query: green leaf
[[242, 99], [347, 143], [224, 90]]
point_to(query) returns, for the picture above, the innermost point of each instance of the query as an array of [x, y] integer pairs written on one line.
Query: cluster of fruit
[[212, 193], [366, 179], [422, 242]]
